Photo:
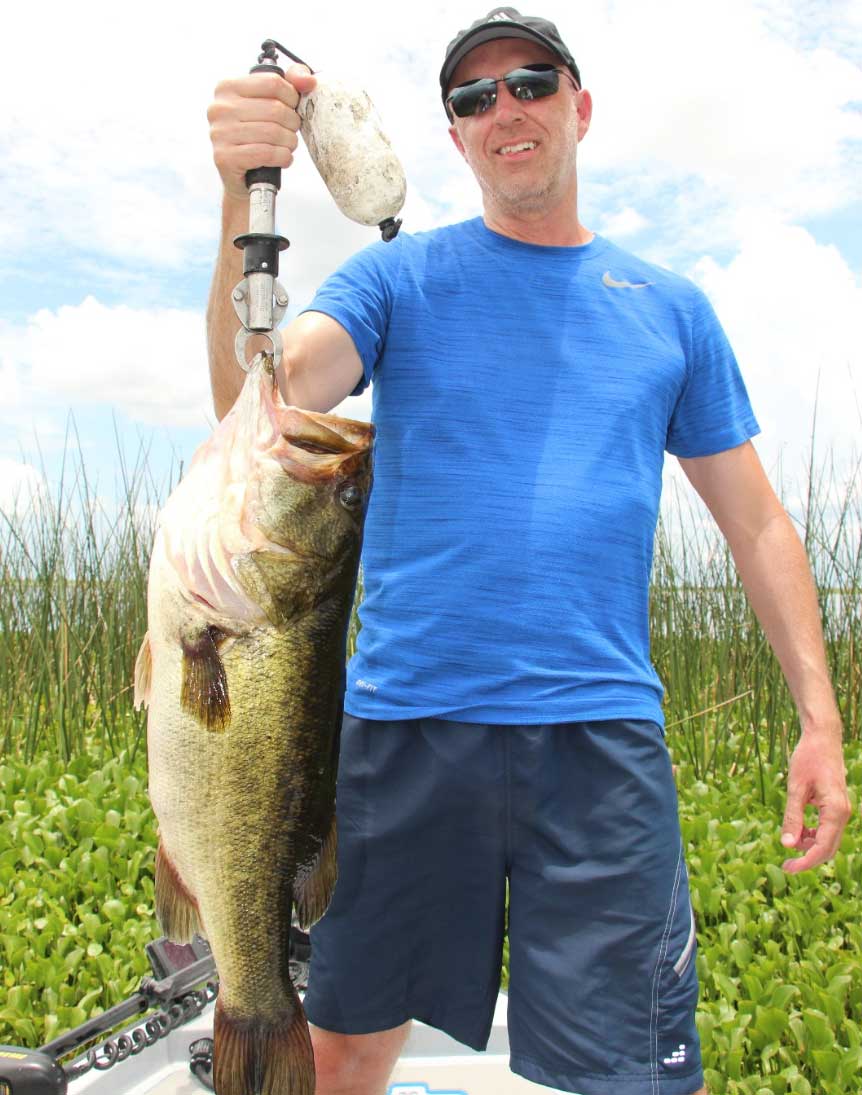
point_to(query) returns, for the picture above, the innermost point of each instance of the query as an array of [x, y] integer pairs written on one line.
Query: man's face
[[516, 179]]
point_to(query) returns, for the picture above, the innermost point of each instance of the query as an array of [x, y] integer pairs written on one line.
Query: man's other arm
[[774, 570]]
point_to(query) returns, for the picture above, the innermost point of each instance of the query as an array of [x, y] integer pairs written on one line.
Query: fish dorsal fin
[[204, 693], [313, 887], [143, 674]]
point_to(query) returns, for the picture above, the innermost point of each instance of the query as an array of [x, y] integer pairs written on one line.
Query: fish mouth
[[314, 446], [310, 445]]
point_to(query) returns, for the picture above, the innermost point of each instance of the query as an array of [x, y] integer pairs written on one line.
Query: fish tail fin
[[176, 908], [255, 1057]]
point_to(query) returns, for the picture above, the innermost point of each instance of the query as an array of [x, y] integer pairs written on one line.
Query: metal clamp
[[241, 305], [275, 341]]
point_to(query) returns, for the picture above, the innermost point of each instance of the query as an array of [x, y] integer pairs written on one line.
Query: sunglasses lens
[[530, 82], [474, 98]]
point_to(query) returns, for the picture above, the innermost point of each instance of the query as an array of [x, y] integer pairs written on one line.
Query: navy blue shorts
[[434, 817]]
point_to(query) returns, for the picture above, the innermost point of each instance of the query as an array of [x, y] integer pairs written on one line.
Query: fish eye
[[350, 496]]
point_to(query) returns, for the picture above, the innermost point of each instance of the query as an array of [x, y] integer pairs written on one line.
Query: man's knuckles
[[227, 115]]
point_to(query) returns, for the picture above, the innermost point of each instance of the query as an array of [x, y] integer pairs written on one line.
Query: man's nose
[[507, 108]]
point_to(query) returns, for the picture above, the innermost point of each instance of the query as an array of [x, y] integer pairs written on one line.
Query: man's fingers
[[819, 850], [233, 135], [249, 111], [794, 815], [301, 78], [259, 85], [249, 156], [254, 123], [820, 844], [812, 858]]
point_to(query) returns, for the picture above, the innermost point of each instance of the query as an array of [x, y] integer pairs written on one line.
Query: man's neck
[[560, 228]]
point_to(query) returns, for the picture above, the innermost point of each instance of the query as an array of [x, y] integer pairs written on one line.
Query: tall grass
[[73, 612], [727, 703], [73, 572]]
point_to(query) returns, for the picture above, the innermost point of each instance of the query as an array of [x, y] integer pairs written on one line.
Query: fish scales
[[251, 586]]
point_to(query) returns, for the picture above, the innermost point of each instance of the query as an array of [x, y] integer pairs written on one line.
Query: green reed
[[73, 573], [727, 704], [73, 612]]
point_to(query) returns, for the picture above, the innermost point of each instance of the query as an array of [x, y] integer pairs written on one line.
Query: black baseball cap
[[505, 23]]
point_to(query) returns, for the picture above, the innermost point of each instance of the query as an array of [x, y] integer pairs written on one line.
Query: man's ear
[[456, 139], [585, 113]]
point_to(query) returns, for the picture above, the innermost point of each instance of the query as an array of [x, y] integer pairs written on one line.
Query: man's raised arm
[[254, 123]]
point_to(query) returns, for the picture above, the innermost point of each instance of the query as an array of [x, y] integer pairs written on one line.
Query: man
[[503, 719]]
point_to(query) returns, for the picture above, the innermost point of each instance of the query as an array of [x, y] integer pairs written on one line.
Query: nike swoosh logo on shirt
[[613, 284]]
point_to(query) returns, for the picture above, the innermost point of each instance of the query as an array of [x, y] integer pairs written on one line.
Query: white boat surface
[[432, 1064]]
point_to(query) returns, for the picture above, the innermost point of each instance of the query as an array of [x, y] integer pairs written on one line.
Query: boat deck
[[432, 1064]]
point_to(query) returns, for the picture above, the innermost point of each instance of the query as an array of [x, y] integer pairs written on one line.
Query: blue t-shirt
[[524, 397]]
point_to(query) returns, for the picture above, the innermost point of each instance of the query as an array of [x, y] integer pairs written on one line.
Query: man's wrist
[[823, 724], [234, 207]]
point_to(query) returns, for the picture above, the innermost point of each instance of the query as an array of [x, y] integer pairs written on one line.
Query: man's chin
[[524, 201]]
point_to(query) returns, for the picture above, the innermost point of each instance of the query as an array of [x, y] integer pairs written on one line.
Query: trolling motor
[[363, 174]]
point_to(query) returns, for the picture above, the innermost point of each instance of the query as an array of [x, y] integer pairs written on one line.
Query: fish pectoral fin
[[269, 1056], [204, 692], [143, 674], [176, 908], [313, 889]]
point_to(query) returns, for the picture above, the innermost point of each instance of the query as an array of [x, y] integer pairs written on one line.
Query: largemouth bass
[[251, 585]]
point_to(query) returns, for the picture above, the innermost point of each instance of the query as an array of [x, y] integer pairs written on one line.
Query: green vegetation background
[[780, 957]]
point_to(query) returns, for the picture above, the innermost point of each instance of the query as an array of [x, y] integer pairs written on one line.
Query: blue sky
[[726, 144]]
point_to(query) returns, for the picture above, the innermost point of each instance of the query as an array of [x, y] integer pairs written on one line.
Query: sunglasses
[[529, 82]]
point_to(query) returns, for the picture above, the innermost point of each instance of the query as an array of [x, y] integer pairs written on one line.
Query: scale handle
[[271, 175]]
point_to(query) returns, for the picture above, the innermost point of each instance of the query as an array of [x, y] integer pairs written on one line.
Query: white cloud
[[108, 154], [355, 406], [151, 363], [702, 110], [792, 309], [627, 222], [22, 487], [708, 122]]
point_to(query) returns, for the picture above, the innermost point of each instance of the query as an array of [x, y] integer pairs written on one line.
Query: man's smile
[[517, 148]]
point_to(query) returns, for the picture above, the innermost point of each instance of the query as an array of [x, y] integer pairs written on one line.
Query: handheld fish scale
[[360, 170]]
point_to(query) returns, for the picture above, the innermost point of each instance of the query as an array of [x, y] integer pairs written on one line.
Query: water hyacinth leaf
[[839, 986], [734, 1064], [24, 1031], [18, 998], [71, 1016], [115, 909], [818, 1027], [73, 959], [852, 1032], [828, 1062], [772, 1022], [850, 1068], [777, 878]]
